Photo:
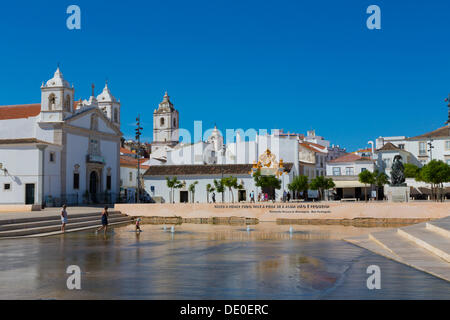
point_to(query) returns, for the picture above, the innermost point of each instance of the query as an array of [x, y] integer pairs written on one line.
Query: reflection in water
[[201, 261]]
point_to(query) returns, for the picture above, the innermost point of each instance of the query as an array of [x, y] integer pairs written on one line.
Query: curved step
[[429, 240], [53, 233], [55, 228], [411, 254], [53, 217], [441, 227], [53, 222], [367, 243]]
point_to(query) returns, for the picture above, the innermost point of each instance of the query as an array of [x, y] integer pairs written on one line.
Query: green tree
[[299, 184], [173, 183], [436, 173], [219, 186], [209, 189], [268, 182], [367, 178], [191, 188], [411, 170], [321, 184]]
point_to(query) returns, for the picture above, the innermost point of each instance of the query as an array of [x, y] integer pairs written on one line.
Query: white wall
[[22, 163], [17, 128], [357, 167]]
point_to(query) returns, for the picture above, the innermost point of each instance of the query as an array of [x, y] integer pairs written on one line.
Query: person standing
[[63, 218], [288, 196], [104, 226], [213, 197]]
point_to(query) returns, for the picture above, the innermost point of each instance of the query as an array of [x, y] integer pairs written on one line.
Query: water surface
[[208, 262]]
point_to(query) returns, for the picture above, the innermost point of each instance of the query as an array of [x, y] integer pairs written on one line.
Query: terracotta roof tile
[[20, 111], [126, 151], [310, 146], [438, 133], [389, 147], [204, 169], [349, 157], [129, 161]]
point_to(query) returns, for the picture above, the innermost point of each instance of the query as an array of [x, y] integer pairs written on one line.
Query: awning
[[349, 184]]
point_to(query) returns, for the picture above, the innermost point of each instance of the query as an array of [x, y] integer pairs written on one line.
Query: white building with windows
[[60, 150], [344, 171], [433, 145]]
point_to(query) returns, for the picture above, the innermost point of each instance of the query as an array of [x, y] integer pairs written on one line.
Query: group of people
[[104, 220], [262, 196]]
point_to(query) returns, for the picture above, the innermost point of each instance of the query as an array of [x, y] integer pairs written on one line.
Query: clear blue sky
[[295, 65]]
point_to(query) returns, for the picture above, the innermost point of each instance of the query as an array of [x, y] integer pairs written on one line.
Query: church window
[[51, 102], [7, 186], [131, 176], [67, 103], [76, 181], [116, 116], [108, 182], [174, 122], [52, 157], [161, 122]]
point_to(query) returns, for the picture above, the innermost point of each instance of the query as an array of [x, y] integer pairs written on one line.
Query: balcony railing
[[95, 159]]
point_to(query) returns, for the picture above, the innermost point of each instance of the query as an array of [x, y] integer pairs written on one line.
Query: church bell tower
[[165, 124]]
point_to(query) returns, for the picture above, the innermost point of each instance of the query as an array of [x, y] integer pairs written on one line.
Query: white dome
[[106, 95], [57, 80]]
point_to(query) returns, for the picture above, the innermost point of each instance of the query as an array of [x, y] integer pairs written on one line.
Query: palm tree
[[209, 189], [219, 186], [172, 184], [191, 188], [231, 183]]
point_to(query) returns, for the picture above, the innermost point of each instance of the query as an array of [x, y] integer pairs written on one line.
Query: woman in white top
[[63, 218]]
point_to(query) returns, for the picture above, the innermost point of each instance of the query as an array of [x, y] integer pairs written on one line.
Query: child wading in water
[[138, 225], [104, 221]]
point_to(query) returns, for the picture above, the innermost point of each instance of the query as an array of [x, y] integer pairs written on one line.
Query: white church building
[[60, 150], [210, 159]]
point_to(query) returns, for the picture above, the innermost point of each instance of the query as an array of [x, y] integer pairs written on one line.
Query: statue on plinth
[[397, 172]]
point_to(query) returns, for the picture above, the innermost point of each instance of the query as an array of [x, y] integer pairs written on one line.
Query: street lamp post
[[430, 145], [138, 138]]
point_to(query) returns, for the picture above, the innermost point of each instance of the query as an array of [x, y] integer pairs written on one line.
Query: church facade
[[60, 150]]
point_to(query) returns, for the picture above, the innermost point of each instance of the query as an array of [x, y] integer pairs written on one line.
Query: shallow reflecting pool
[[201, 261]]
